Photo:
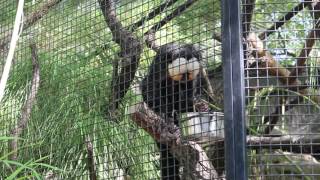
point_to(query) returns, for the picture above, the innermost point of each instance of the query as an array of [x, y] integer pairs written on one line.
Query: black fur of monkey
[[169, 89]]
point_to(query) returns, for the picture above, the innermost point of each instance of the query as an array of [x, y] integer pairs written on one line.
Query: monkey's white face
[[181, 66]]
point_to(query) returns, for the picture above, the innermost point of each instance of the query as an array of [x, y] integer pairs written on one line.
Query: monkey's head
[[182, 61]]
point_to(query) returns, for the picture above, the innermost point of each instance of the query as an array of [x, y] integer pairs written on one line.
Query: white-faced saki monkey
[[169, 88]]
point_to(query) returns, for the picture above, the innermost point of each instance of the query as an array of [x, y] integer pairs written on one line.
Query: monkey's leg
[[169, 165]]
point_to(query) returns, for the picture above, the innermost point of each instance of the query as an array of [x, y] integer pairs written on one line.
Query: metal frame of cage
[[293, 143], [233, 74]]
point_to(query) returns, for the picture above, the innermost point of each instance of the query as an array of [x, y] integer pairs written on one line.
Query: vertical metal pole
[[233, 74]]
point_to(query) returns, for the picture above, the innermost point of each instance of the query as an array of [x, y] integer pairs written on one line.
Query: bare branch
[[291, 143], [131, 49], [172, 15], [30, 20], [153, 14], [298, 143], [197, 163], [150, 34], [27, 107]]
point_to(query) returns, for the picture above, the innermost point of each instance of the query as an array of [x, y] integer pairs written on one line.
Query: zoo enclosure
[[74, 90]]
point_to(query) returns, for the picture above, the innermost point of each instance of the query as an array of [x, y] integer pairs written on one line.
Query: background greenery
[[76, 53]]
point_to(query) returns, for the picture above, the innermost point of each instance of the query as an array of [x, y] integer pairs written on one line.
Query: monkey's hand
[[169, 131], [200, 105]]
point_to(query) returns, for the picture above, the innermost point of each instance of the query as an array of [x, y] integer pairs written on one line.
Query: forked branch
[[131, 49]]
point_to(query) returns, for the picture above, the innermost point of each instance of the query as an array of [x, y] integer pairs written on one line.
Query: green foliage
[[76, 56], [16, 170]]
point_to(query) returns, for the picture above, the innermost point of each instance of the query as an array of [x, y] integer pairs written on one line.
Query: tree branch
[[131, 49], [197, 164], [310, 41], [30, 20], [149, 36], [180, 9], [297, 143], [283, 20], [27, 107], [153, 14], [90, 159], [291, 143]]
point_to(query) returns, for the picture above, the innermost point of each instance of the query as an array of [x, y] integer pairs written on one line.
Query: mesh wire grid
[[282, 88], [112, 90]]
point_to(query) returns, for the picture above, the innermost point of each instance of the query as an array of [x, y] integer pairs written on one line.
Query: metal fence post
[[232, 55]]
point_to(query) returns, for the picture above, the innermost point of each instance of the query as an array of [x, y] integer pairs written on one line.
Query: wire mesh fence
[[282, 89], [111, 90], [154, 89]]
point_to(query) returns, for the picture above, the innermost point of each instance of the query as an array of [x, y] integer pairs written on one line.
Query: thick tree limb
[[90, 159], [30, 20], [297, 143], [291, 143], [194, 159], [131, 49], [268, 141], [153, 14], [27, 107]]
